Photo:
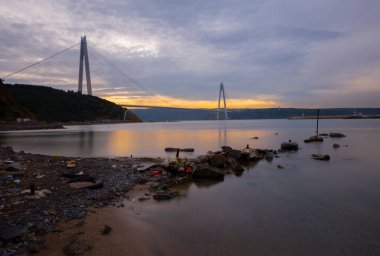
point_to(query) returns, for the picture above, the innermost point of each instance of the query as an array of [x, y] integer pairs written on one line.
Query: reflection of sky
[[150, 139], [268, 53]]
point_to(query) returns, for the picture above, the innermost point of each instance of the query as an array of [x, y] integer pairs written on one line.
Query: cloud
[[291, 52]]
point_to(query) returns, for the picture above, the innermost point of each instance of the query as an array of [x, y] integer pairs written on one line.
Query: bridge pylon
[[84, 55], [221, 90]]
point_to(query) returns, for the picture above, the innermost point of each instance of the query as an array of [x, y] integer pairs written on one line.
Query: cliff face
[[47, 104], [9, 108]]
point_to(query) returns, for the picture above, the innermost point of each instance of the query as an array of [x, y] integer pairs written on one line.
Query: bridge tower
[[221, 90], [84, 55]]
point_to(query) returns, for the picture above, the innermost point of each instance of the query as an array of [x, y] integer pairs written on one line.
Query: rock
[[217, 160], [234, 154], [336, 145], [226, 149], [289, 146], [337, 135], [238, 168], [279, 166], [201, 159], [249, 153], [161, 195], [106, 230], [206, 171], [14, 167], [8, 178], [9, 233], [321, 157], [71, 174], [37, 194]]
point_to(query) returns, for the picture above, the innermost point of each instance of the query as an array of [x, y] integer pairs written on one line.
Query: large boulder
[[217, 160], [201, 159], [235, 154], [226, 149], [206, 171]]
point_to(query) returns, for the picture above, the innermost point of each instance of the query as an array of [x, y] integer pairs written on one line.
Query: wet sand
[[128, 235]]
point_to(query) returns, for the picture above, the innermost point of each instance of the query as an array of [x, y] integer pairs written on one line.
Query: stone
[[14, 167], [238, 168], [336, 145], [249, 153], [217, 160], [337, 135], [226, 149], [9, 233], [279, 166], [201, 159], [106, 230], [8, 178], [206, 171], [235, 154], [321, 157], [289, 146], [161, 195]]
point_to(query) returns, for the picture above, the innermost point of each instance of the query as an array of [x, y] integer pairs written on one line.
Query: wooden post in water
[[317, 121]]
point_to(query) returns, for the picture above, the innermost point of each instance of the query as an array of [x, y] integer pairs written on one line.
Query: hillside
[[52, 105], [9, 109]]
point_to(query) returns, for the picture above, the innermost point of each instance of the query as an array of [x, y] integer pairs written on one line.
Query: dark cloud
[[285, 50]]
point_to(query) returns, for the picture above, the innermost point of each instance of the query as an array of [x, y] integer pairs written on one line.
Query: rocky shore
[[38, 191]]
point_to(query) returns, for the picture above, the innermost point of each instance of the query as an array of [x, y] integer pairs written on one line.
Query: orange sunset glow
[[164, 101]]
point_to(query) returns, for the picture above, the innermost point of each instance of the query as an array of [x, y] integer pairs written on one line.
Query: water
[[309, 208]]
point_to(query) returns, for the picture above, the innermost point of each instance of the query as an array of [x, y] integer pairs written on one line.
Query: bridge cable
[[41, 61], [128, 77]]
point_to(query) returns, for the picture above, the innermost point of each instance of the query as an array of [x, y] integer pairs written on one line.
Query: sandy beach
[[110, 231]]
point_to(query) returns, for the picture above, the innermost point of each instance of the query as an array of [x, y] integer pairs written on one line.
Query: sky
[[267, 53]]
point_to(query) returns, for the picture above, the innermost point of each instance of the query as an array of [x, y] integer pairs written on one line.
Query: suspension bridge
[[52, 73]]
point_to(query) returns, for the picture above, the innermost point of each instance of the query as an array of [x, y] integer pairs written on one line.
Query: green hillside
[[52, 105]]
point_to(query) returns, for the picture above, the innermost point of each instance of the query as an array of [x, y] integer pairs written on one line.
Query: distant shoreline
[[35, 125], [335, 117]]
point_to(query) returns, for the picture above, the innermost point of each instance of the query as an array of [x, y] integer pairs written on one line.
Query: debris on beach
[[71, 164]]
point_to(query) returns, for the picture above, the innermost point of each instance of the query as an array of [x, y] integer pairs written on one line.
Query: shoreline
[[68, 188], [31, 217], [35, 125]]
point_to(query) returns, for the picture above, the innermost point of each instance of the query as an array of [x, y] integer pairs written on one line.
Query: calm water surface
[[308, 208]]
